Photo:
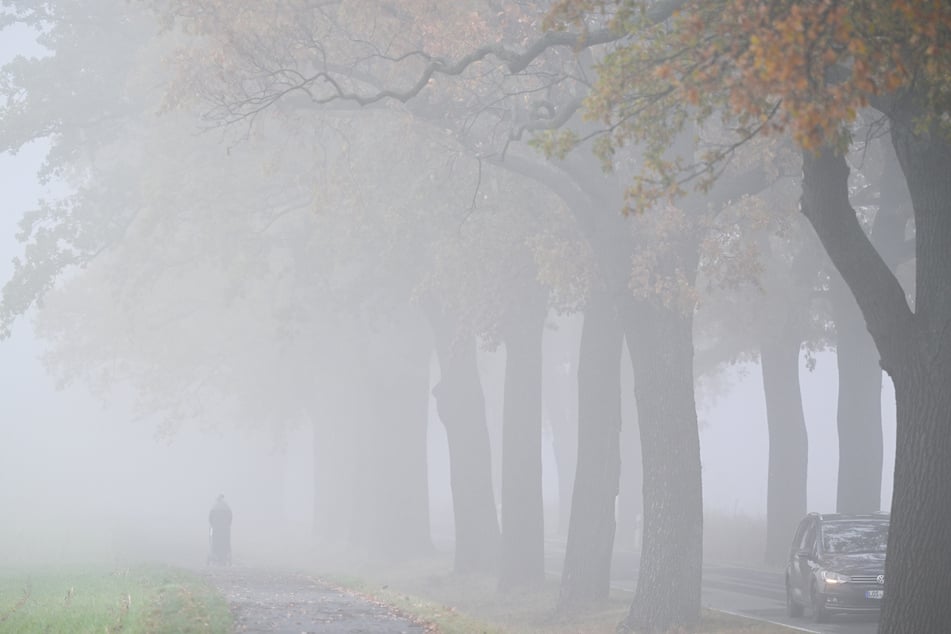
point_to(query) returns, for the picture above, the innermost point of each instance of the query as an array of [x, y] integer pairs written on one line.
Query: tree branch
[[879, 294]]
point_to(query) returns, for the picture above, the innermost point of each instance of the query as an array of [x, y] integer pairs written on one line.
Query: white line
[[615, 586], [750, 617], [756, 618]]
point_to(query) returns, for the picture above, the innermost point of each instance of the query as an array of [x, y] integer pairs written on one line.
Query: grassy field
[[136, 600], [469, 604]]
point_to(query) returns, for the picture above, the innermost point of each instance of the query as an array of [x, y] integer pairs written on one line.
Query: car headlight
[[833, 577]]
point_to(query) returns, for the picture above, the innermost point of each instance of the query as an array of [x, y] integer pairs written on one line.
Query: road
[[757, 594], [761, 594], [279, 602]]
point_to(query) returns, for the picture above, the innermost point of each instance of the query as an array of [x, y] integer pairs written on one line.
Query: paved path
[[274, 602]]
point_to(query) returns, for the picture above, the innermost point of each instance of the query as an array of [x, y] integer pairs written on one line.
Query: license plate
[[874, 594]]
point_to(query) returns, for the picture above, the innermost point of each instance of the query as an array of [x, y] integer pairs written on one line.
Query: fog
[[83, 482], [368, 327]]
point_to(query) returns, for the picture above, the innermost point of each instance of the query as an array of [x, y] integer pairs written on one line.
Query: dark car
[[837, 564]]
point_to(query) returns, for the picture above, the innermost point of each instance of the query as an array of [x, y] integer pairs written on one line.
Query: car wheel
[[792, 608], [819, 612]]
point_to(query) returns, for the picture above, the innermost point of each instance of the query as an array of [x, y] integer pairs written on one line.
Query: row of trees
[[244, 246]]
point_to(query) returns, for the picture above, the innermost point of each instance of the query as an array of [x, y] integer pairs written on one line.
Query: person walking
[[219, 533]]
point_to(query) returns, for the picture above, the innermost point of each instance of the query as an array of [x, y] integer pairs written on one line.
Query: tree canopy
[[739, 68]]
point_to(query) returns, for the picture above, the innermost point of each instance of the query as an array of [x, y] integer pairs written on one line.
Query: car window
[[849, 537], [808, 542], [797, 540]]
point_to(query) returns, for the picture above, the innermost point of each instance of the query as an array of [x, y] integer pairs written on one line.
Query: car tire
[[793, 608], [819, 612]]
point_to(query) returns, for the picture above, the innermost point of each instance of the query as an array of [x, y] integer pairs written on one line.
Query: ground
[[280, 602]]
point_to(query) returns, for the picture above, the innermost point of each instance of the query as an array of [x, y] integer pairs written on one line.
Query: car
[[837, 564]]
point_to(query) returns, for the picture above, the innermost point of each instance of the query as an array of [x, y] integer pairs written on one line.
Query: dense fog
[[503, 283], [95, 476], [85, 480]]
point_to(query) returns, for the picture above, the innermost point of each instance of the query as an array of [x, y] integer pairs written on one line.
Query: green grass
[[136, 600]]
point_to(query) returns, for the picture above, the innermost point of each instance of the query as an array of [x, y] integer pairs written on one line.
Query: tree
[[764, 274], [807, 67], [880, 197], [649, 267], [461, 406], [23, 291], [592, 520], [560, 380], [240, 92], [163, 267]]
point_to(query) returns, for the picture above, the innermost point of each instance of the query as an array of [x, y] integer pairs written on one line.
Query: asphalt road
[[757, 594], [761, 594]]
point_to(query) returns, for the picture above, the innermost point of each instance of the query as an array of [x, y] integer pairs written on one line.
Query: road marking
[[756, 618], [616, 586], [627, 589]]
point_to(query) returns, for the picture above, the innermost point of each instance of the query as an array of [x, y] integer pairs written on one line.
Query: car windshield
[[846, 537]]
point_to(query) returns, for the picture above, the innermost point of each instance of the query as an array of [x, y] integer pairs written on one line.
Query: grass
[[136, 600], [471, 604]]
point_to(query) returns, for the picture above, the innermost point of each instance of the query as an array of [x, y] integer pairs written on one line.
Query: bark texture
[[917, 581], [668, 584], [586, 574]]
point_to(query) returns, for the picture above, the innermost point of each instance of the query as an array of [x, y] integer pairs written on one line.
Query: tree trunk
[[587, 571], [560, 385], [630, 509], [788, 446], [917, 582], [391, 425], [400, 468], [860, 407], [461, 407], [916, 352], [565, 450], [523, 524], [660, 340], [860, 373]]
